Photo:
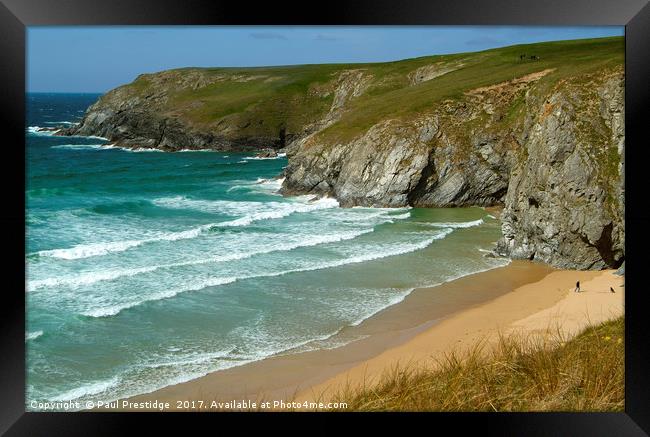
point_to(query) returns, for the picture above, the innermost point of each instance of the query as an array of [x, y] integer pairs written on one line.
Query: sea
[[145, 268]]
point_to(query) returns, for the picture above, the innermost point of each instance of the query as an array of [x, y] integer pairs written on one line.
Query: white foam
[[125, 149], [250, 211], [323, 203], [181, 235], [90, 278], [203, 358], [196, 150], [393, 250], [228, 207], [443, 233], [209, 361], [97, 249], [82, 146], [192, 358], [70, 123], [270, 185], [394, 301], [331, 336], [401, 216], [398, 249], [497, 262], [33, 335], [141, 149], [314, 241], [116, 309], [255, 158], [89, 389], [457, 224], [96, 137], [34, 130], [87, 278], [401, 296], [88, 250], [491, 216]]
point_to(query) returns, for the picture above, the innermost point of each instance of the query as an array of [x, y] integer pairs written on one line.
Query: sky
[[99, 58]]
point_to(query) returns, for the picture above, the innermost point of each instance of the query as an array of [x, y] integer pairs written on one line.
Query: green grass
[[519, 373], [292, 96], [569, 58]]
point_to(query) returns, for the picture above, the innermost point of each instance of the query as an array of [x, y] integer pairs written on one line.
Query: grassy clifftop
[[344, 100], [397, 98]]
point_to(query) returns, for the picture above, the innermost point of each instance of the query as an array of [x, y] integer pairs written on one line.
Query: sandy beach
[[522, 296], [570, 314]]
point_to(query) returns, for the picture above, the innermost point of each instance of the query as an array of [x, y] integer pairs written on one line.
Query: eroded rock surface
[[557, 168]]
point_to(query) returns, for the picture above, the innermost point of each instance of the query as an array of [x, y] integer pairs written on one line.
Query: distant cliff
[[220, 108], [538, 129]]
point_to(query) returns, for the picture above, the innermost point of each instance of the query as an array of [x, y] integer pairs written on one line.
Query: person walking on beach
[[611, 290], [577, 290]]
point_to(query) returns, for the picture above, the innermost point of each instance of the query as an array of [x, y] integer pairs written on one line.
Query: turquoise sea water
[[146, 269]]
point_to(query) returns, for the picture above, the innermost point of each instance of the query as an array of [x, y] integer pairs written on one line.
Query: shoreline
[[568, 316], [416, 328]]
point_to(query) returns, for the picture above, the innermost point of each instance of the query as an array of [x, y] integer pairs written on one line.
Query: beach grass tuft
[[517, 373]]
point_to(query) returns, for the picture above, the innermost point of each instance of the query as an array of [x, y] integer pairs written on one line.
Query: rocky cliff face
[[553, 157], [542, 138], [396, 164], [565, 200], [461, 153], [136, 116], [223, 109]]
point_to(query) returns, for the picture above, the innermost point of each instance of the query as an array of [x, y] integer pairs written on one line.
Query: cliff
[[220, 108], [540, 134]]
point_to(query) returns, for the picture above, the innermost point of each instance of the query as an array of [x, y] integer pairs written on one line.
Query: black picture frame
[[15, 15]]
